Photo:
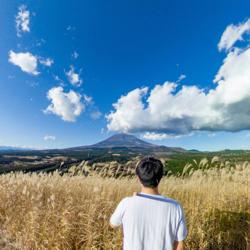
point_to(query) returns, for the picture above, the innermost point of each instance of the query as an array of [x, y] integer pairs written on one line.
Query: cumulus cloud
[[49, 138], [232, 34], [129, 112], [165, 109], [74, 77], [26, 61], [22, 20], [67, 105]]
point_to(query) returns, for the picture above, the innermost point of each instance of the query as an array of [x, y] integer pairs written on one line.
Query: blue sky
[[64, 64]]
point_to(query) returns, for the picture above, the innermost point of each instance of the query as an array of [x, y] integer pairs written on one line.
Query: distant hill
[[10, 149]]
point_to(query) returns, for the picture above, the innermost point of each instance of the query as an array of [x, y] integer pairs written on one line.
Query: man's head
[[149, 171]]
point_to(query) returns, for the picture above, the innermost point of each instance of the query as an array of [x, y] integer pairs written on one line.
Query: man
[[150, 221]]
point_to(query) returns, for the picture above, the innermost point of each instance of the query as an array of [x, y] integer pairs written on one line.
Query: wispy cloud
[[49, 138], [88, 99], [95, 115], [70, 27], [75, 55], [181, 77], [22, 20]]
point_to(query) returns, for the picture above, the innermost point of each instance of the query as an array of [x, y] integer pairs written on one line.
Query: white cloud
[[49, 138], [46, 61], [156, 136], [22, 20], [68, 106], [73, 77], [129, 112], [164, 109], [232, 34], [26, 61]]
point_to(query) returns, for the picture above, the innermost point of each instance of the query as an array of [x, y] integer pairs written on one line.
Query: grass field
[[49, 211]]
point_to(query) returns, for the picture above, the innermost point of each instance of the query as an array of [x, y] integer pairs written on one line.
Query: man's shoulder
[[161, 198], [126, 199], [174, 202]]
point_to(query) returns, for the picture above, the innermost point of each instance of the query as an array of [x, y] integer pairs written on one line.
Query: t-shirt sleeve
[[116, 217], [181, 231]]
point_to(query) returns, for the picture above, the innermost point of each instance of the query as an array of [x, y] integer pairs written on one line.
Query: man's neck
[[147, 190]]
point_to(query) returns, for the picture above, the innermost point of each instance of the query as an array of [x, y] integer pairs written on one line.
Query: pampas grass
[[50, 211]]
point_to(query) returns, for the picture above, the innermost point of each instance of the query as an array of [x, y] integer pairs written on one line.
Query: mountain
[[123, 140], [128, 142]]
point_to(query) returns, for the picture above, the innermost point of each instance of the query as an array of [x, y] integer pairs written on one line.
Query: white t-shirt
[[150, 222]]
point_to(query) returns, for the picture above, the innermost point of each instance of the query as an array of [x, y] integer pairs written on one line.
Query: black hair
[[150, 171]]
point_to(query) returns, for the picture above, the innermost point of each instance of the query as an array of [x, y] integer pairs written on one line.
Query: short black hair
[[150, 171]]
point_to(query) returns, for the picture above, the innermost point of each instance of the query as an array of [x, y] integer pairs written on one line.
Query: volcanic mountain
[[128, 142], [123, 140]]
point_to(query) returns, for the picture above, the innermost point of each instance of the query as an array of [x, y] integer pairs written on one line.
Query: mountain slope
[[123, 140]]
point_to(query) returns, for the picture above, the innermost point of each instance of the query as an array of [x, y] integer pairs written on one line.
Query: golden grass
[[49, 211]]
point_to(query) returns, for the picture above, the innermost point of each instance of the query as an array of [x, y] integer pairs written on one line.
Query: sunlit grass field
[[50, 211]]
